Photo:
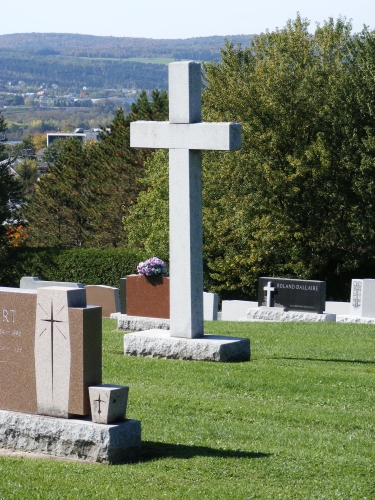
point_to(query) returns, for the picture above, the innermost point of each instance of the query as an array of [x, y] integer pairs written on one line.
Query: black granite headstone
[[294, 295], [123, 295]]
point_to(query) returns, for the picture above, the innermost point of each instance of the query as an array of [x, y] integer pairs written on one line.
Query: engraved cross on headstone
[[269, 289], [52, 322], [185, 136]]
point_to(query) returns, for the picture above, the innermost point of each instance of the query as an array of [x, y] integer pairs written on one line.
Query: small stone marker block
[[83, 440], [158, 344], [107, 297], [108, 403]]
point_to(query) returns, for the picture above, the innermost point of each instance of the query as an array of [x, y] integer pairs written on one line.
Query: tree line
[[68, 72], [68, 44]]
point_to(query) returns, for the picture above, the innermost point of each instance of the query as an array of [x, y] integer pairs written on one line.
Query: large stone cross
[[185, 136]]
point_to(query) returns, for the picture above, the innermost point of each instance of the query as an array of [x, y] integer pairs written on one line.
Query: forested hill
[[71, 60], [201, 48]]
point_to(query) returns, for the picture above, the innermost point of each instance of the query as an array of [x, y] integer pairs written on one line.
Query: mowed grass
[[297, 422]]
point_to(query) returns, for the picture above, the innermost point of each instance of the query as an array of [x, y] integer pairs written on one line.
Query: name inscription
[[8, 315]]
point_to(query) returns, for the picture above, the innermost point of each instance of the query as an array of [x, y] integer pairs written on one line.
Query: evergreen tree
[[59, 214], [89, 188]]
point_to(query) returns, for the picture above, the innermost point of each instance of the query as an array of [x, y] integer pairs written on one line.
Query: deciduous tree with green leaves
[[297, 200]]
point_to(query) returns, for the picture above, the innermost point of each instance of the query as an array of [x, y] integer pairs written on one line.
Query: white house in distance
[[80, 134]]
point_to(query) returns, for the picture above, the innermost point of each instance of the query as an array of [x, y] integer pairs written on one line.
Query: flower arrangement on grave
[[152, 267]]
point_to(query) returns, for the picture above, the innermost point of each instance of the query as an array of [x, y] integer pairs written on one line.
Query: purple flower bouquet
[[152, 267]]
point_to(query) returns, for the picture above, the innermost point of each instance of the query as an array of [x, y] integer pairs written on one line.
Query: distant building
[[84, 136]]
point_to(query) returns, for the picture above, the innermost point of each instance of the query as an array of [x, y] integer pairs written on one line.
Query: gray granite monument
[[185, 136]]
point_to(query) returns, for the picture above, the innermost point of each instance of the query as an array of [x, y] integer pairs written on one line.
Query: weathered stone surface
[[137, 323], [346, 318], [158, 344], [70, 439], [277, 314], [108, 403]]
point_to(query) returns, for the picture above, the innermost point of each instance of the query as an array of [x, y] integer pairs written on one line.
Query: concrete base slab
[[139, 323], [346, 318], [277, 314], [73, 439], [159, 344]]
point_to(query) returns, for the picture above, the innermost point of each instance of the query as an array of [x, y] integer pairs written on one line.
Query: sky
[[174, 18]]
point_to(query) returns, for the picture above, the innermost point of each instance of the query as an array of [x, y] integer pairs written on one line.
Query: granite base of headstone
[[279, 314], [126, 323], [159, 344], [81, 440], [362, 303]]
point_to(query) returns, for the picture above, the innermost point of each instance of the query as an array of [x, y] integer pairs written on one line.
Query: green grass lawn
[[297, 422]]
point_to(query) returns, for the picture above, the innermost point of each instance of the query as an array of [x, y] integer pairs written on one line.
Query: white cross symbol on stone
[[269, 289], [185, 136]]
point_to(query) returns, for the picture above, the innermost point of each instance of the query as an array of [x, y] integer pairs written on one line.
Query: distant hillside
[[63, 59], [71, 72], [202, 48]]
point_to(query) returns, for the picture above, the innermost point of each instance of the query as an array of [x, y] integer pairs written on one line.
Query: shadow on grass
[[359, 361], [152, 450]]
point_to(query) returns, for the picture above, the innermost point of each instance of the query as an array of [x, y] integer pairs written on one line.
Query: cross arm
[[200, 136]]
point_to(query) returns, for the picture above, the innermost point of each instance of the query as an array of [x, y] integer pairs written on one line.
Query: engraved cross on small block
[[185, 136]]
